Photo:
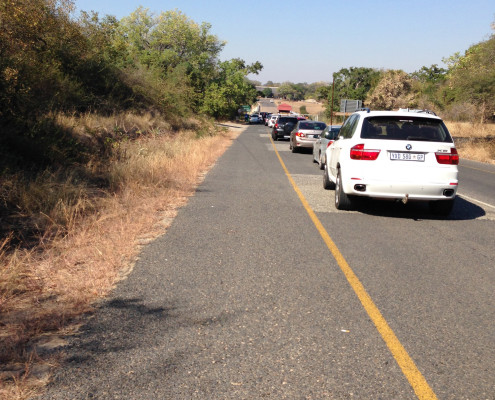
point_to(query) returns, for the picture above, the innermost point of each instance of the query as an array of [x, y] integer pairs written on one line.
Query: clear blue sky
[[306, 41]]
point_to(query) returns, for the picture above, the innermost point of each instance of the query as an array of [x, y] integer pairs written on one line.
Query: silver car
[[254, 119], [329, 134], [305, 134]]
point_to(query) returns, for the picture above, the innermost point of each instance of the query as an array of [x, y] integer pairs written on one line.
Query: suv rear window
[[287, 119], [405, 128], [317, 126]]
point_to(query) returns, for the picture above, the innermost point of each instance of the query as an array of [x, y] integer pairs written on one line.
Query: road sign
[[349, 106]]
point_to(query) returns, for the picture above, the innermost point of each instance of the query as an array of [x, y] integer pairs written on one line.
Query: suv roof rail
[[417, 111], [367, 109]]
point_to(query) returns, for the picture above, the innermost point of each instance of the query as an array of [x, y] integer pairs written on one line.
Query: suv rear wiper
[[423, 139]]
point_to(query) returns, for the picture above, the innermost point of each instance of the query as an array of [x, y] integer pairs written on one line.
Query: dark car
[[283, 127]]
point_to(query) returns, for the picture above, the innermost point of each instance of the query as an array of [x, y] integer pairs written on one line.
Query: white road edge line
[[475, 200]]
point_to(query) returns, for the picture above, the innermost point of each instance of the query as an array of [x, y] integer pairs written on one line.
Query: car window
[[332, 133], [405, 128], [349, 126], [317, 126], [287, 119]]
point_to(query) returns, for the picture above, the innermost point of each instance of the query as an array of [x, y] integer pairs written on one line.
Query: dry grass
[[474, 141], [44, 290], [471, 130]]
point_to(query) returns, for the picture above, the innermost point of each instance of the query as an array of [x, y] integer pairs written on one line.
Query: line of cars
[[405, 155], [259, 118]]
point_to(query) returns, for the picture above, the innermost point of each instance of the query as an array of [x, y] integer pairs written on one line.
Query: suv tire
[[342, 200], [327, 183]]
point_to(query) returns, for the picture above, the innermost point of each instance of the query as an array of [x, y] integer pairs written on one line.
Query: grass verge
[[474, 141], [89, 232]]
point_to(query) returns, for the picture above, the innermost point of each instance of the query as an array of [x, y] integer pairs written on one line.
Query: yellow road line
[[406, 364]]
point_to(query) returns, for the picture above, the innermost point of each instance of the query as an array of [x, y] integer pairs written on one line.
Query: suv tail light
[[358, 152], [300, 134], [276, 125], [451, 158], [329, 143]]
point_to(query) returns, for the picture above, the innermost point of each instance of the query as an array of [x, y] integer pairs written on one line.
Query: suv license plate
[[407, 156]]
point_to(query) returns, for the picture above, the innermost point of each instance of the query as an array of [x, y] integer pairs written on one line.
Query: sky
[[307, 41]]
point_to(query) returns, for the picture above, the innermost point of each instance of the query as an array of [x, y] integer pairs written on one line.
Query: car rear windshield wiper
[[419, 138]]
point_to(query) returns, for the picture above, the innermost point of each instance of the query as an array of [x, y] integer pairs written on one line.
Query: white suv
[[272, 120], [402, 155]]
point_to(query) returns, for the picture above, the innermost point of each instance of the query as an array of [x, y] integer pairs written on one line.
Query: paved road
[[267, 106], [241, 299]]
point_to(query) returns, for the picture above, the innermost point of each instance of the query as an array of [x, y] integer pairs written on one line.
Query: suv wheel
[[342, 200], [327, 183]]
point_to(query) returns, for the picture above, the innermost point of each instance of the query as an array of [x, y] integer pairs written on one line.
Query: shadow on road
[[121, 325], [463, 210]]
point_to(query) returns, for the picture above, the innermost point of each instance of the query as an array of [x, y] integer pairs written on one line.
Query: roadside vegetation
[[106, 127]]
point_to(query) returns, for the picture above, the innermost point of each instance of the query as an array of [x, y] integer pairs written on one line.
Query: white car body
[[393, 155], [272, 120], [320, 145]]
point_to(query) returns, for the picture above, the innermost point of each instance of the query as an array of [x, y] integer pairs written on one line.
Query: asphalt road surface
[[242, 298]]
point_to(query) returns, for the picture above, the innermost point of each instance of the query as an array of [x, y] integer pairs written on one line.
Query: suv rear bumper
[[399, 190]]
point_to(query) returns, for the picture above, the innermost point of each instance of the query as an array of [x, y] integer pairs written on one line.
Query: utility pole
[[331, 104]]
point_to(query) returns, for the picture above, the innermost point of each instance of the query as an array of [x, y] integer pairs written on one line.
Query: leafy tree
[[353, 83], [315, 90], [323, 93], [428, 83], [267, 92], [430, 75], [394, 90], [471, 77], [171, 40], [292, 91], [230, 88]]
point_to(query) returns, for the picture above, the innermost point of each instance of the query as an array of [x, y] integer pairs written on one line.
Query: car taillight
[[358, 152], [276, 125], [300, 134], [329, 143], [451, 158]]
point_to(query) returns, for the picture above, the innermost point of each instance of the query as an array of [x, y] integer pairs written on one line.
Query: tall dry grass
[[95, 235], [474, 141]]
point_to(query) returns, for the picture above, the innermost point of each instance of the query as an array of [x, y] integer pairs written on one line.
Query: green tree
[[353, 83], [170, 40], [267, 92], [471, 78], [230, 88], [428, 83], [292, 91], [323, 93]]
